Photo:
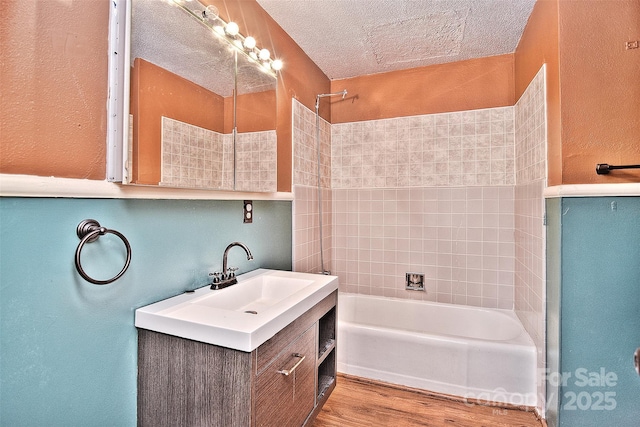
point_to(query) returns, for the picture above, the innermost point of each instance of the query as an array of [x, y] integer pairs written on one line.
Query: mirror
[[202, 112], [256, 144]]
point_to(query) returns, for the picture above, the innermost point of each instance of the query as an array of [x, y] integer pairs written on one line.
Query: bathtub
[[474, 353]]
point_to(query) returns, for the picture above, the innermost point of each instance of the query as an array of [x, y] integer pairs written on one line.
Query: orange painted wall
[[593, 92], [539, 45], [600, 89], [300, 78], [158, 93], [255, 112], [463, 85], [54, 85], [53, 88]]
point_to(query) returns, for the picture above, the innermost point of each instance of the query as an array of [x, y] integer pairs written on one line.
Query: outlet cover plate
[[248, 211]]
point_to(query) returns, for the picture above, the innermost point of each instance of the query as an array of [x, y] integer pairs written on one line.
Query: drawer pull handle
[[287, 372]]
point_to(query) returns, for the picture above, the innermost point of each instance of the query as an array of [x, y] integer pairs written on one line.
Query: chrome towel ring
[[89, 231]]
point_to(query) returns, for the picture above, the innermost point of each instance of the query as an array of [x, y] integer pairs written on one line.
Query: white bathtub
[[475, 353]]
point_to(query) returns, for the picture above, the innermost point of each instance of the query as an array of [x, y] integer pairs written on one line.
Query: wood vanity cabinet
[[183, 382]]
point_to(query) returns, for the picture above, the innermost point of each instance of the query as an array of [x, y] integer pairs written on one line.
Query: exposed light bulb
[[276, 65], [253, 55], [210, 13], [264, 54], [238, 44], [232, 29], [249, 42], [218, 29]]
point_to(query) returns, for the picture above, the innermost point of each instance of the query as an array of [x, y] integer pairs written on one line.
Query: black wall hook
[[604, 169]]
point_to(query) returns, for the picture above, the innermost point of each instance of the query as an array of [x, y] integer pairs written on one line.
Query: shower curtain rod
[[604, 169]]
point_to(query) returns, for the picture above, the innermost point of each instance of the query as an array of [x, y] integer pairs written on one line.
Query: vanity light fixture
[[264, 54], [230, 31], [210, 13], [276, 65], [219, 30], [249, 43]]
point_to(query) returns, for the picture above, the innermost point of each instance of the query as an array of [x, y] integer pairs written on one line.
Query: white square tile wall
[[451, 149], [530, 241], [306, 229], [531, 132], [256, 162], [305, 148], [457, 196], [199, 158], [461, 238], [195, 157], [433, 193], [306, 225]]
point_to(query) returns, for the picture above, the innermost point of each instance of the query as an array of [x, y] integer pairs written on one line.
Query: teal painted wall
[[68, 348], [554, 275], [599, 304]]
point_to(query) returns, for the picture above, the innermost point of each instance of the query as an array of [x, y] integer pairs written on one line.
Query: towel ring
[[89, 231]]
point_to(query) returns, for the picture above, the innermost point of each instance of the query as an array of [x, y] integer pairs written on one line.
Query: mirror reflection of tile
[[256, 161], [199, 158]]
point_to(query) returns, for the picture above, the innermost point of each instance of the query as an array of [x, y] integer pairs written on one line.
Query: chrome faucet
[[228, 275]]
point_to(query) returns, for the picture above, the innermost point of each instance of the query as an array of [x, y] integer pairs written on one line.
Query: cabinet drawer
[[286, 400], [270, 350]]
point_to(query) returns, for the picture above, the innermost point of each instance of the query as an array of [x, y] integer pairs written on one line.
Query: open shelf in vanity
[[326, 365]]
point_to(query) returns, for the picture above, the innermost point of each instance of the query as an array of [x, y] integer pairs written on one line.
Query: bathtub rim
[[522, 339]]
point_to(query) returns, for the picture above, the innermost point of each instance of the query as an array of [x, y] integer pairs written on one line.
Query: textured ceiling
[[348, 38]]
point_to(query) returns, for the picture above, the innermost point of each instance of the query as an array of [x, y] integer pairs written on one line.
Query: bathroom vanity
[[263, 360]]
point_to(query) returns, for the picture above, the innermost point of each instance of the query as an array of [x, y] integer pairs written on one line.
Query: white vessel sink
[[242, 316]]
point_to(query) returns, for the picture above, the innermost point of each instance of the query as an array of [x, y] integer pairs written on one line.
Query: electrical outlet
[[248, 211]]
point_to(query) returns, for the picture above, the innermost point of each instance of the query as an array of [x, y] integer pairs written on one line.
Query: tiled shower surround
[[305, 152], [306, 225], [306, 229], [399, 204], [466, 148], [530, 241], [431, 194], [200, 158], [461, 238], [457, 196]]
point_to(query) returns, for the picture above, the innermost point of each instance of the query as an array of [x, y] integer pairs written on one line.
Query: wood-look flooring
[[358, 402]]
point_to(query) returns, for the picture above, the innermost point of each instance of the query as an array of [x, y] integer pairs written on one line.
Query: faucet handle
[[231, 272], [216, 276]]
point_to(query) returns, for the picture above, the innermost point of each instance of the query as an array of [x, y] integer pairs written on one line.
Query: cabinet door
[[287, 400]]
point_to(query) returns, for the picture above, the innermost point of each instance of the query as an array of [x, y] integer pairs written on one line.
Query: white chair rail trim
[[39, 186]]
